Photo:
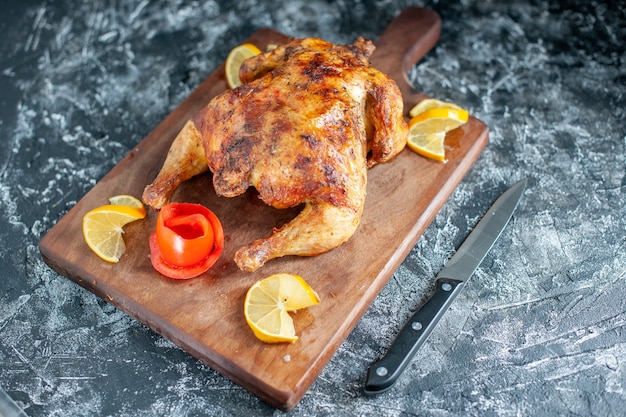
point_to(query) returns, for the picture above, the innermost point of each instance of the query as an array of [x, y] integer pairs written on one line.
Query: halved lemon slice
[[431, 103], [427, 130], [439, 120], [234, 60], [126, 200], [102, 229], [269, 301], [429, 145]]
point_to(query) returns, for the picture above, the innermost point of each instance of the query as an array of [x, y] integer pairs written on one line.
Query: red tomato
[[187, 242]]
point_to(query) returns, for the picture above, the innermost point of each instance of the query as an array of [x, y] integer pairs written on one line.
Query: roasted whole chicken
[[309, 120]]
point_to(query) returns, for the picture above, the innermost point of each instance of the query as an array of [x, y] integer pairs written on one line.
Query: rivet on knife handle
[[382, 374]]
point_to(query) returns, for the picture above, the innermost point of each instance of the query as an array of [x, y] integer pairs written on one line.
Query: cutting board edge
[[282, 399]]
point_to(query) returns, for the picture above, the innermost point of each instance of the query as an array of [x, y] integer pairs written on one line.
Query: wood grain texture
[[204, 316]]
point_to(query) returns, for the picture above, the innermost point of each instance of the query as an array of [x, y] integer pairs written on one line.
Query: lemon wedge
[[269, 301], [430, 145], [126, 200], [102, 229], [234, 60], [431, 103], [431, 120]]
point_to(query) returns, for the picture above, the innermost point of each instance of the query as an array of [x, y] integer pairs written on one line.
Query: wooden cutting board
[[204, 316]]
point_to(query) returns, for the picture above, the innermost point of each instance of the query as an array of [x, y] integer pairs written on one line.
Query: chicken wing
[[308, 121]]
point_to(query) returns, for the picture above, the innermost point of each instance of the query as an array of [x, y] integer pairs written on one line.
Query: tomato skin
[[180, 272], [188, 240]]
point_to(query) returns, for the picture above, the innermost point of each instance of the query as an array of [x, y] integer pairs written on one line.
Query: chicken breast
[[309, 120]]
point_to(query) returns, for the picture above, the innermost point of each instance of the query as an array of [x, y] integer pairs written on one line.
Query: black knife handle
[[383, 373]]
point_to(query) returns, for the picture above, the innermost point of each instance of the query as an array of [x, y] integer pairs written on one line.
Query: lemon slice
[[102, 229], [439, 120], [427, 130], [126, 200], [431, 103], [269, 301], [234, 60], [429, 145]]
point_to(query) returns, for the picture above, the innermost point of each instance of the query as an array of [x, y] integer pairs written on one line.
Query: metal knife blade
[[383, 373]]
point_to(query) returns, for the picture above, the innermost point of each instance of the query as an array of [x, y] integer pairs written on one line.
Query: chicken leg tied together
[[308, 121]]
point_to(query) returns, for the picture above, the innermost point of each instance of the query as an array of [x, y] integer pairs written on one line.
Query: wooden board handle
[[407, 39]]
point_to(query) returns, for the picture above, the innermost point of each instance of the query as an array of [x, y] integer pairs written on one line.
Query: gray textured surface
[[539, 330]]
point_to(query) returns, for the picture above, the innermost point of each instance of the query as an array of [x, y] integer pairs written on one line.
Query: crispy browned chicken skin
[[308, 121]]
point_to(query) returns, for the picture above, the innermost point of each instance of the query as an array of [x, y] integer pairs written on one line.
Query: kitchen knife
[[383, 373]]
